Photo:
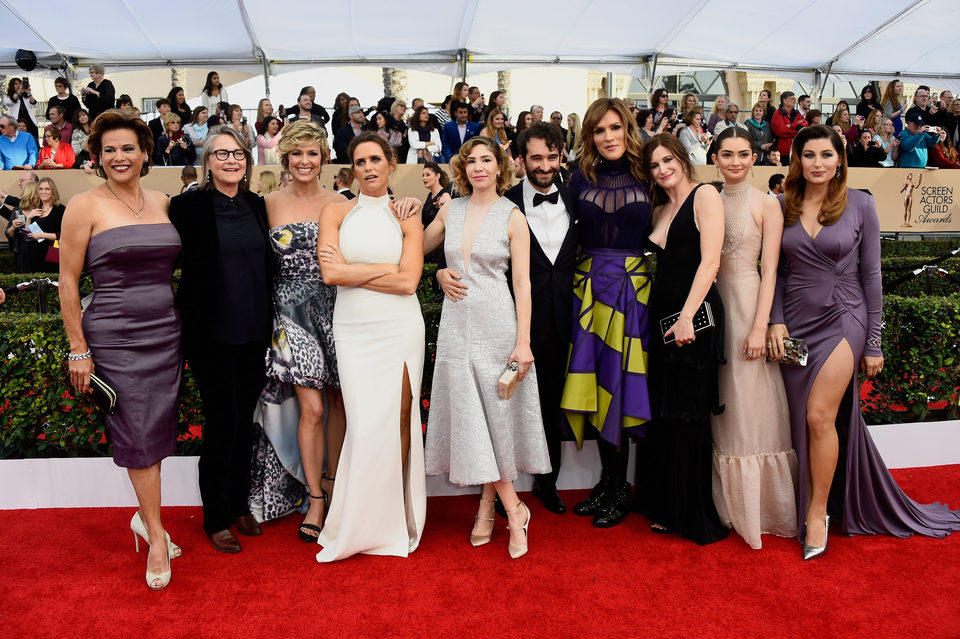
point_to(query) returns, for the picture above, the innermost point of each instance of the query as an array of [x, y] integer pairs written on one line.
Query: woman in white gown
[[379, 500]]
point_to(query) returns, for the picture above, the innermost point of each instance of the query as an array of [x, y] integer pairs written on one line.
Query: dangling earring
[[209, 177], [838, 172]]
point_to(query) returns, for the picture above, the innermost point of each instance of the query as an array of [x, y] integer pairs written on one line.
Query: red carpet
[[73, 573]]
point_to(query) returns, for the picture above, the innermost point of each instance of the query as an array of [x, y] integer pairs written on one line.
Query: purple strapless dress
[[133, 331]]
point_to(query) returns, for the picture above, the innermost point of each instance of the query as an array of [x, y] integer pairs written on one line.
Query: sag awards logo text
[[935, 205]]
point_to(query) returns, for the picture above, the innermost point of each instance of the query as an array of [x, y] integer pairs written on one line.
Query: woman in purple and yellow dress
[[606, 385]]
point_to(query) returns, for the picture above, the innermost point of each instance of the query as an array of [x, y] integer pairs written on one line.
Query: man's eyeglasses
[[222, 154]]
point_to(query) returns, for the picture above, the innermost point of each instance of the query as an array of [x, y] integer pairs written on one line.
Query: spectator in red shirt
[[54, 154], [785, 123]]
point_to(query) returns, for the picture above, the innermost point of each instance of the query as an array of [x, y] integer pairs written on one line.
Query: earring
[[838, 172], [209, 177]]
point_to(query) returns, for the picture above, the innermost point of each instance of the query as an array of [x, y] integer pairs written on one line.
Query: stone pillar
[[503, 84], [394, 82], [178, 78]]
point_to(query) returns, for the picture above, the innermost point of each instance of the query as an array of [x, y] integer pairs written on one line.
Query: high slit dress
[[828, 290], [379, 501]]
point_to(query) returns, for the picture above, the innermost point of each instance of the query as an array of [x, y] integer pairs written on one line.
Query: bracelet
[[78, 356], [874, 341]]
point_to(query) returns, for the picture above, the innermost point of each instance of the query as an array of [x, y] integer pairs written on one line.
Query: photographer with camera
[[20, 103], [915, 139], [867, 152]]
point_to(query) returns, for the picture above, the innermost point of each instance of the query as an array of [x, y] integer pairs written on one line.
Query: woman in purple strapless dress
[[130, 334], [828, 293]]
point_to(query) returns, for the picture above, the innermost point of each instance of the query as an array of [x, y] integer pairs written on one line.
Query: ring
[[769, 344]]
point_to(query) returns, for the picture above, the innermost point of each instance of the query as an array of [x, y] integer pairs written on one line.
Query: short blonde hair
[[458, 165], [301, 133]]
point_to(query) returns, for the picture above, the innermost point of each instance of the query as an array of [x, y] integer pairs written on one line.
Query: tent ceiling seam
[[30, 26], [133, 17], [251, 33], [896, 18], [466, 26]]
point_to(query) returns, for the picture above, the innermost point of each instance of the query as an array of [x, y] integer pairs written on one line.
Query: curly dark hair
[[546, 131], [113, 120]]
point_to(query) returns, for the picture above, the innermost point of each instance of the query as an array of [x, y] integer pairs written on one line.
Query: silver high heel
[[812, 552], [140, 530], [519, 550], [476, 539]]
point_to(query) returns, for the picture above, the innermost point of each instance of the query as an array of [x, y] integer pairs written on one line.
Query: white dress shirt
[[548, 222]]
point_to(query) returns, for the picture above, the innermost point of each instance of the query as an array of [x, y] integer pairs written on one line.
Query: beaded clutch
[[702, 320], [794, 352]]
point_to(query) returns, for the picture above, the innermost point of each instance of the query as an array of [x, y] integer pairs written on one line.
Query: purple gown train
[[828, 290]]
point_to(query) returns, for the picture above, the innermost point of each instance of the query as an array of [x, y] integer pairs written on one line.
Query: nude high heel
[[519, 550], [140, 530], [477, 539], [162, 577]]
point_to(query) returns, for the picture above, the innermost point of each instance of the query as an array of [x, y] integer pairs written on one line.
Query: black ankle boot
[[616, 505], [595, 501]]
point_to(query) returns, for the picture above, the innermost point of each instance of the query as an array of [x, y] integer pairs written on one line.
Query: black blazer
[[551, 285], [156, 127], [192, 215]]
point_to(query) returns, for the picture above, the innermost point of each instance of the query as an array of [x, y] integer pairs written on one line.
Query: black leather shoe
[[616, 506], [549, 497], [592, 504]]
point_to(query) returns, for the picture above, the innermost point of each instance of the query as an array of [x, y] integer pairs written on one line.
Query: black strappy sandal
[[307, 537]]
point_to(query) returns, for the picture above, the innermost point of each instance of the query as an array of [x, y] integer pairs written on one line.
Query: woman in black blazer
[[224, 299]]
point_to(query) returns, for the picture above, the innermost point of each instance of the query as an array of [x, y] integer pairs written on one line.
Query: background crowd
[[883, 129]]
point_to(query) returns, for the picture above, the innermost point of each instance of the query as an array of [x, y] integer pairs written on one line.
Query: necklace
[[140, 197]]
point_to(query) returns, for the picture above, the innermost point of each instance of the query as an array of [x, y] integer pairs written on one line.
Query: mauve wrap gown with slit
[[828, 290]]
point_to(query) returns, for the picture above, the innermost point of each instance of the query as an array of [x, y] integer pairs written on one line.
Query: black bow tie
[[540, 198]]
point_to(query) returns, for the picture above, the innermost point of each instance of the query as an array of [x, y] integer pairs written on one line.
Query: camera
[[933, 129]]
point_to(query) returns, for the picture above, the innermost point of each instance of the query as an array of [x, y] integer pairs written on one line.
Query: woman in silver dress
[[473, 434]]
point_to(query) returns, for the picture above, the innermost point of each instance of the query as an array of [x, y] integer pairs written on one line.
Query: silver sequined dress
[[472, 434]]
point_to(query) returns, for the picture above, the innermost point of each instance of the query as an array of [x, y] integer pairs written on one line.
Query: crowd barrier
[[929, 193]]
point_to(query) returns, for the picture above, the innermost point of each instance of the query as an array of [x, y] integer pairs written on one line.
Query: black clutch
[[103, 395], [794, 352], [702, 320]]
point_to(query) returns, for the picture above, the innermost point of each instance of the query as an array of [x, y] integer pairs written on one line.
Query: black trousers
[[550, 360], [230, 378]]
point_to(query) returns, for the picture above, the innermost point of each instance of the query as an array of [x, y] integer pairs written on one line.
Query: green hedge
[[921, 350], [917, 286], [7, 264], [906, 248], [41, 417]]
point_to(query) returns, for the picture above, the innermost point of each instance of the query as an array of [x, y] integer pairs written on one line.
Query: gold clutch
[[507, 384]]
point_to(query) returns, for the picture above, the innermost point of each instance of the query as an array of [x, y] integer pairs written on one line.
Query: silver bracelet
[[75, 357], [874, 341]]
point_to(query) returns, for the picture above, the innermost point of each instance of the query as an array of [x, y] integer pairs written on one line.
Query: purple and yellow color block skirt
[[606, 384]]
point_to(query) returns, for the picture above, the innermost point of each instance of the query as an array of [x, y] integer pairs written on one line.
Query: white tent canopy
[[879, 39]]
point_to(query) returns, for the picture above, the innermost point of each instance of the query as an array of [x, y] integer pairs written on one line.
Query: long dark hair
[[208, 85], [794, 186], [172, 96], [415, 122]]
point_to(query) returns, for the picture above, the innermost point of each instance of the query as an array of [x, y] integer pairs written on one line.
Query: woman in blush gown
[[828, 293], [754, 464], [379, 500]]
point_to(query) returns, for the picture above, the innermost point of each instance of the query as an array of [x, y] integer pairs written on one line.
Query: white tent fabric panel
[[916, 37]]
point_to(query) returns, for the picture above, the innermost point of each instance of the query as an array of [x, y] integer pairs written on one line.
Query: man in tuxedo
[[156, 124], [455, 133], [549, 209]]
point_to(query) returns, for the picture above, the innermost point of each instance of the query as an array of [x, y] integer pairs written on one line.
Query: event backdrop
[[932, 202]]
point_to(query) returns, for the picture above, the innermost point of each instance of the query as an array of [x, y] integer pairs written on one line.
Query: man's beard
[[537, 178]]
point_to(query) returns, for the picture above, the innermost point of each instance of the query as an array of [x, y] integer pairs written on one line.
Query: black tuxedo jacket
[[551, 285], [156, 127], [192, 215]]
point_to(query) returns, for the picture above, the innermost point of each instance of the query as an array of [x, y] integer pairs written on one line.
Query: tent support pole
[[266, 73], [610, 84], [821, 80]]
